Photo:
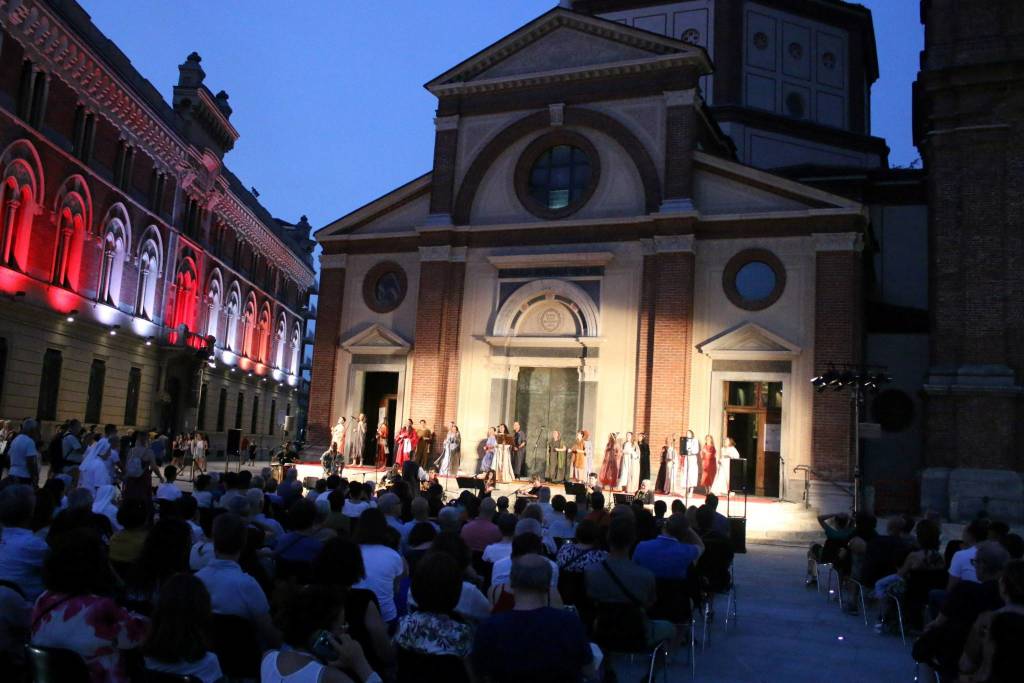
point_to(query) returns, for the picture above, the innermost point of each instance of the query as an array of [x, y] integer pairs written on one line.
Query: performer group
[[687, 463]]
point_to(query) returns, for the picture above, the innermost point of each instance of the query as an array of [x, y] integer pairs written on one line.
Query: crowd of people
[[963, 604], [247, 577], [687, 464]]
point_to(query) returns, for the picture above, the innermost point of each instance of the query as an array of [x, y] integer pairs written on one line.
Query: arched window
[[117, 238], [249, 327], [185, 295], [280, 339], [296, 348], [150, 260], [263, 335], [213, 302], [232, 310], [20, 194], [73, 209]]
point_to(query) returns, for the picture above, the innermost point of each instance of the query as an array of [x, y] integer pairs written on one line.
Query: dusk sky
[[328, 97]]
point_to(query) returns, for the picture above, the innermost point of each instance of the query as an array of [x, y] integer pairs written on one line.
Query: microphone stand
[[540, 444]]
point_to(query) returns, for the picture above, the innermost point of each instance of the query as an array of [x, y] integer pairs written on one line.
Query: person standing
[[72, 451], [708, 463], [588, 453], [24, 454], [139, 468], [728, 452], [382, 444], [667, 483], [555, 470], [424, 445], [338, 434], [518, 451], [691, 467], [448, 463], [503, 455], [612, 457], [490, 444], [359, 440], [645, 456], [629, 475], [405, 444], [199, 448], [579, 457]]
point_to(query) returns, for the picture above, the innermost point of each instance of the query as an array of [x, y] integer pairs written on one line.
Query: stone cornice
[[838, 241], [48, 42]]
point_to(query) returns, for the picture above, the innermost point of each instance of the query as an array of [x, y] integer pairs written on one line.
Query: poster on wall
[[772, 438]]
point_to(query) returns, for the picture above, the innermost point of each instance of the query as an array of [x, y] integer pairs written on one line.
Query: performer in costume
[[503, 455], [645, 456], [487, 462], [728, 452], [518, 451], [382, 444], [588, 450], [708, 463], [629, 475], [448, 463], [667, 472], [405, 444], [579, 457], [555, 470], [329, 458], [338, 434], [689, 471], [359, 440], [424, 444], [612, 457]]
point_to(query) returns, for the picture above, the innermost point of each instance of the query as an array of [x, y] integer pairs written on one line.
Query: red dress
[[708, 466], [610, 467]]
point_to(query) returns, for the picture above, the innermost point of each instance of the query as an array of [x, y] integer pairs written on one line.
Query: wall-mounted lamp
[[72, 315], [114, 329]]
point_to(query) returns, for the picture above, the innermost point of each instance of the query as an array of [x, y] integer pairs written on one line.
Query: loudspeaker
[[234, 441], [738, 534], [289, 423], [737, 475]]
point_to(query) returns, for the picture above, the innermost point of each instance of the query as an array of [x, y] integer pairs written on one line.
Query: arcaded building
[[141, 283], [601, 244]]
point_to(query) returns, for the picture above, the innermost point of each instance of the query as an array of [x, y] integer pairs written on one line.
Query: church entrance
[[546, 399], [380, 402], [753, 419]]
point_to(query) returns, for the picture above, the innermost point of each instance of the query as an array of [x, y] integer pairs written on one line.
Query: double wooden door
[[547, 399], [753, 419]]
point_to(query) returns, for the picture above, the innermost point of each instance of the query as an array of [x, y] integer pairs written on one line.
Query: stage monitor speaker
[[738, 475], [234, 441], [289, 423], [738, 534]]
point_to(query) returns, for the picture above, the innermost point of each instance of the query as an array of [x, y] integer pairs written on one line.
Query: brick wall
[[325, 357], [680, 136], [664, 346], [837, 339], [435, 375]]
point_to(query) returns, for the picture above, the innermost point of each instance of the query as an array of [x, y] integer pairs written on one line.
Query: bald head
[[531, 574]]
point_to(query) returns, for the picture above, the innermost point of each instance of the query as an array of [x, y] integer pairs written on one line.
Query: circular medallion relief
[[550, 320], [754, 279], [691, 36], [796, 50], [761, 40], [384, 287], [556, 174], [828, 60]]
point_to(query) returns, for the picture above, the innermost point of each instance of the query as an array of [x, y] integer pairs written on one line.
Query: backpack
[[133, 469]]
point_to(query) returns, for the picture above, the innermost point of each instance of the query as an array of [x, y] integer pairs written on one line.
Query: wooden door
[[546, 399]]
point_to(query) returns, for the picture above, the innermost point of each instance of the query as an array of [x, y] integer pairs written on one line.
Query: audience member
[[670, 555], [177, 639], [384, 566], [499, 550], [583, 551], [481, 531], [21, 552], [431, 628]]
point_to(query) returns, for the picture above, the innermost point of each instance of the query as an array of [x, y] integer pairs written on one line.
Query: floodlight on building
[[114, 329], [72, 314]]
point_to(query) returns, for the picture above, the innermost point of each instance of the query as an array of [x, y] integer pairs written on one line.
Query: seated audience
[[961, 567], [670, 555], [481, 531], [169, 489], [431, 628], [472, 605], [715, 562], [177, 639], [533, 641], [21, 552], [980, 658], [557, 525], [126, 545], [300, 544], [583, 551], [503, 568], [78, 612], [499, 550], [164, 554], [357, 500], [105, 504], [384, 566]]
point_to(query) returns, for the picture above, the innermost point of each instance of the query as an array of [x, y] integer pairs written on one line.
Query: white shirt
[[168, 491], [22, 448], [232, 591], [962, 565], [503, 570], [206, 669], [497, 551], [351, 509], [383, 565], [558, 526], [93, 473], [204, 499], [473, 605]]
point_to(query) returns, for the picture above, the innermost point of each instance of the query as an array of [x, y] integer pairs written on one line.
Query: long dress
[[610, 467], [708, 466], [488, 460], [448, 463], [691, 468], [629, 475], [579, 460], [555, 470], [667, 483], [588, 449], [382, 446], [424, 439], [645, 460], [503, 459], [721, 485], [359, 442], [405, 445], [338, 435]]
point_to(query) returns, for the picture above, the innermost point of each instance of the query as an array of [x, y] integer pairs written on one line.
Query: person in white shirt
[[556, 524], [384, 566], [544, 501], [24, 455], [527, 540], [356, 503], [502, 549], [71, 446], [168, 490], [961, 568], [94, 473], [232, 591]]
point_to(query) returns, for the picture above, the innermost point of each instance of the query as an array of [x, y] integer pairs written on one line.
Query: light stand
[[857, 379]]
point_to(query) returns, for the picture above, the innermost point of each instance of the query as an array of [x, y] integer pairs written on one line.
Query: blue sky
[[328, 97]]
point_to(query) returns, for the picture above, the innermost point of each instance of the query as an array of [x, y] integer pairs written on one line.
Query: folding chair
[[731, 608], [860, 597]]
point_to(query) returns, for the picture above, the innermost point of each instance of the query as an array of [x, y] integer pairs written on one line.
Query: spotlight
[[250, 374], [232, 368], [72, 315], [149, 341], [114, 329]]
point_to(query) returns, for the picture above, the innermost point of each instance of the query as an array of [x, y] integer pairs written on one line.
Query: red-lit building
[[126, 245]]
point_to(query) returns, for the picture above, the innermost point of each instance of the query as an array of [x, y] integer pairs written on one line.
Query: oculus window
[[556, 174], [754, 279]]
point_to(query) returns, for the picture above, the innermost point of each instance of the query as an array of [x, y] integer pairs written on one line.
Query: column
[[665, 341], [838, 316], [325, 350], [435, 374], [680, 141]]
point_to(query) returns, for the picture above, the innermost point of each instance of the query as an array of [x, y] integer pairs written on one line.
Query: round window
[[384, 287], [754, 279], [556, 174]]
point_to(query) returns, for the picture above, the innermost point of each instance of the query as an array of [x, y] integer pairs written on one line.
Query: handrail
[[806, 469]]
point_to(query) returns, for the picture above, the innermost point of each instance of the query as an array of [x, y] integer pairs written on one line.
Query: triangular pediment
[[748, 341], [376, 340], [401, 209], [562, 42]]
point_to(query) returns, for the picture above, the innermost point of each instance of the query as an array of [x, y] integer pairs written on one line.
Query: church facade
[[589, 252]]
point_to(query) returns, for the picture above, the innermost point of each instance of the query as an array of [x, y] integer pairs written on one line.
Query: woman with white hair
[[105, 504]]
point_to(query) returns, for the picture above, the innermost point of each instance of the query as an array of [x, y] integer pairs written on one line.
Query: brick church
[[657, 217]]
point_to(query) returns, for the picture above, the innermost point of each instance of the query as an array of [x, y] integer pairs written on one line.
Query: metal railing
[[808, 472]]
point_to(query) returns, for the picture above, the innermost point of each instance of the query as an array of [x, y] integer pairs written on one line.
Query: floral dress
[[430, 633], [95, 627]]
